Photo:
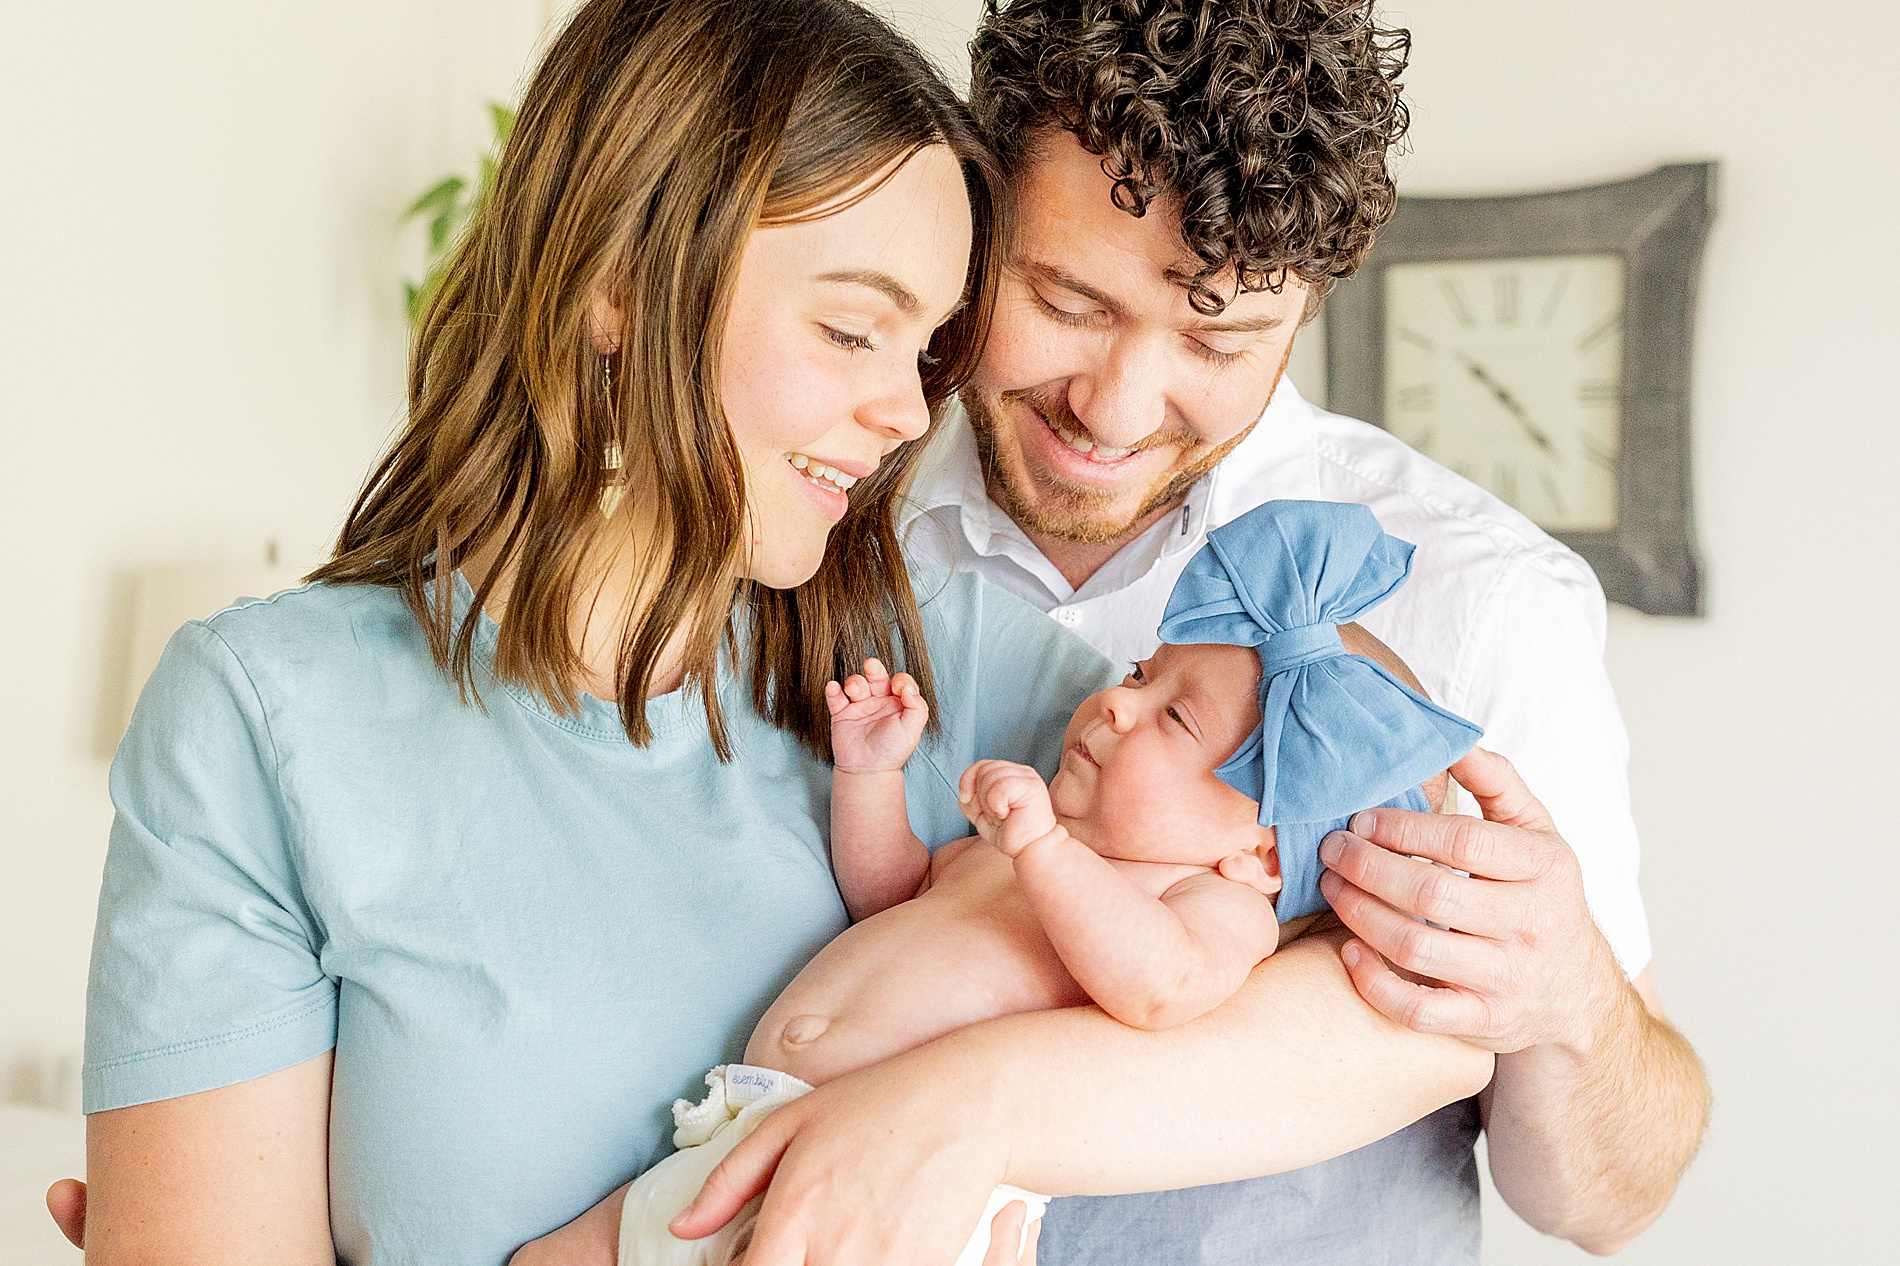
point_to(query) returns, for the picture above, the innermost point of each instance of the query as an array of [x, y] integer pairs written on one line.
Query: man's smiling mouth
[[1081, 443]]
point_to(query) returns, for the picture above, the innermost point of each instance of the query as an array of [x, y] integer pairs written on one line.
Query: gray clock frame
[[1658, 224]]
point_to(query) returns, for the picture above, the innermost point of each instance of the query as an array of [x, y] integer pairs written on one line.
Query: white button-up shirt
[[1501, 623]]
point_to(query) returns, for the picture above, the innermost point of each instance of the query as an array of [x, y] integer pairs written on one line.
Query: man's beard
[[1064, 511]]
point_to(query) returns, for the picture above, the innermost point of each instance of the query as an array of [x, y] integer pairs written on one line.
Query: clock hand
[[1504, 397]]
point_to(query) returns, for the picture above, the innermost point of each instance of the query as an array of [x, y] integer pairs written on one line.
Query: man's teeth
[[1083, 444], [817, 472]]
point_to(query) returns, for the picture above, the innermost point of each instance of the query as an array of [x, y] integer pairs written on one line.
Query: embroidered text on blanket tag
[[746, 1084]]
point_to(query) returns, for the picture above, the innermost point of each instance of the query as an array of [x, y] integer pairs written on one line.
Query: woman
[[434, 882]]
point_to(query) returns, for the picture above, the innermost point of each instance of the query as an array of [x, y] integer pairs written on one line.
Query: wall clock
[[1539, 345]]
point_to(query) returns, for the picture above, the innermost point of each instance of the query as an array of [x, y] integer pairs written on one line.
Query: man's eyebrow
[[890, 287], [1069, 281], [1243, 325]]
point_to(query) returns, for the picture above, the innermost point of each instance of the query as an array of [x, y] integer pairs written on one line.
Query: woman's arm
[[238, 1175], [888, 1163]]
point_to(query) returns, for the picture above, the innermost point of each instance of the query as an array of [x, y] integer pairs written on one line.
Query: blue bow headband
[[1337, 732]]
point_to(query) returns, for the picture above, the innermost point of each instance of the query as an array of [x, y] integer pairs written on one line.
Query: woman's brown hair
[[654, 137]]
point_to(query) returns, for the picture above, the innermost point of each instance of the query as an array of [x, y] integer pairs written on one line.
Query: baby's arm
[[1151, 963], [876, 720]]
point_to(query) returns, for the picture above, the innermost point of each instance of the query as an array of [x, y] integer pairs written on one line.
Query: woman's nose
[[900, 413]]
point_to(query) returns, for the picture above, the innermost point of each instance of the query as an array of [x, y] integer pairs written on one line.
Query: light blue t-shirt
[[523, 936]]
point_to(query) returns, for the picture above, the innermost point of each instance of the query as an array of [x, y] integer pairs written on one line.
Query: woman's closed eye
[[847, 340]]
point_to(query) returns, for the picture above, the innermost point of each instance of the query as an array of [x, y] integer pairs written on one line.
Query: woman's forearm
[[1293, 1070]]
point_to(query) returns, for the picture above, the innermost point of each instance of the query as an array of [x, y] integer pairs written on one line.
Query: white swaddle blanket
[[739, 1097]]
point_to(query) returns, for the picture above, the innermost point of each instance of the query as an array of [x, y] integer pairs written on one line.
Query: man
[[1192, 177]]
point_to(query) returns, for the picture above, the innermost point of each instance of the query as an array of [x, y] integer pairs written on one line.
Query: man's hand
[[876, 720], [1515, 960], [1008, 804], [1597, 1104]]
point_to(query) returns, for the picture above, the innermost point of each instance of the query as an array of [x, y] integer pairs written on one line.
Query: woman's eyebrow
[[890, 287]]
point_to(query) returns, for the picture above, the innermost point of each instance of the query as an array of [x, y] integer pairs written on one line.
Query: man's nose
[[1123, 399]]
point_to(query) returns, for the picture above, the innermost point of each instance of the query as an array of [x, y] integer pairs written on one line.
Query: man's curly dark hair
[[1269, 119]]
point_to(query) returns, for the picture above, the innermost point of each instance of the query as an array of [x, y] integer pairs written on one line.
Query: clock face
[[1509, 371]]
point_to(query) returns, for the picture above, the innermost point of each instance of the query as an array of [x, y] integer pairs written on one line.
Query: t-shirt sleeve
[[205, 959], [1008, 679], [1537, 683]]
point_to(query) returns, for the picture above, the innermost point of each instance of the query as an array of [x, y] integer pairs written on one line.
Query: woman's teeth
[[835, 480], [1086, 446]]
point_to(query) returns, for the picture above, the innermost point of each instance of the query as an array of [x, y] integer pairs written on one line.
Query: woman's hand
[[893, 1163]]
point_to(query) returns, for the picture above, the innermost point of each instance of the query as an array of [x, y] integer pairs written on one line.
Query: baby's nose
[[1118, 706]]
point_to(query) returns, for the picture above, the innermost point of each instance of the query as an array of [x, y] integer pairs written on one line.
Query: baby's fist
[[876, 720], [1008, 804]]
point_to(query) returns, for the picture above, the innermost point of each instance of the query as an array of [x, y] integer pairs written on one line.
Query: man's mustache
[[1056, 410]]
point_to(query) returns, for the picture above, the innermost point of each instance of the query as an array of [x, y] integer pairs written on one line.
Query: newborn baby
[[1174, 848]]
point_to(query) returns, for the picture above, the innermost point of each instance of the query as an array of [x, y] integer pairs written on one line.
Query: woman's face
[[819, 372]]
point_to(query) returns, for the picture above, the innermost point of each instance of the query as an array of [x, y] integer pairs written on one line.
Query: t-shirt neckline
[[668, 716]]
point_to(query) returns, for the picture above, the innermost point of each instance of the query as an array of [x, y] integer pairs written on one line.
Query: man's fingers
[[66, 1201], [1486, 849], [746, 1172], [1457, 958], [1501, 795], [1421, 1008], [1006, 1232], [1418, 887]]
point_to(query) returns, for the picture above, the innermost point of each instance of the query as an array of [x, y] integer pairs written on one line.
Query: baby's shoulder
[[965, 857]]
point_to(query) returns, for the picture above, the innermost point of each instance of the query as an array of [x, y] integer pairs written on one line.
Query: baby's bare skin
[[968, 948], [1136, 880]]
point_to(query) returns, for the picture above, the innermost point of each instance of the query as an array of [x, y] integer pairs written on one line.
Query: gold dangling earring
[[612, 480]]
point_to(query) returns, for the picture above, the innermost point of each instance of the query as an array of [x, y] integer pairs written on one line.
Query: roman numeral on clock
[[1594, 393]]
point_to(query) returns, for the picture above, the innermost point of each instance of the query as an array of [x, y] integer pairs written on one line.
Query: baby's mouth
[[1081, 750]]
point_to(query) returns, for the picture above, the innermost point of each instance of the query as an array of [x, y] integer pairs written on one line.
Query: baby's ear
[[1258, 867], [1437, 790]]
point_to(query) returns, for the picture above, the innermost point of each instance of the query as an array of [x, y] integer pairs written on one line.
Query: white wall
[[200, 349], [201, 346], [1764, 736]]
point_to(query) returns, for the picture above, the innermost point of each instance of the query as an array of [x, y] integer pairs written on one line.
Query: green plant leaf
[[442, 194]]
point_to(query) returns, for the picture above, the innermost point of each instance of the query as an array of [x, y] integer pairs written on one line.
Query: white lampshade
[[165, 598]]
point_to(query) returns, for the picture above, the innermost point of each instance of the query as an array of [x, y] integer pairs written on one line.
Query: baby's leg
[[662, 1194]]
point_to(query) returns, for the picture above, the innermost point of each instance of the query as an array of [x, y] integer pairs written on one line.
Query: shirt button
[[1067, 617]]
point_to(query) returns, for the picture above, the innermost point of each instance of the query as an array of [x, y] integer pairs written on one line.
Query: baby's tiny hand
[[1008, 804], [876, 720]]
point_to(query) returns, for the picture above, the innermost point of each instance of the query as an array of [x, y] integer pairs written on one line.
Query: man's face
[[1103, 395]]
